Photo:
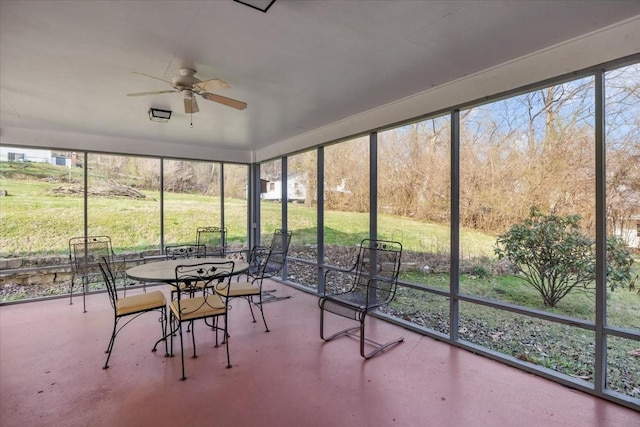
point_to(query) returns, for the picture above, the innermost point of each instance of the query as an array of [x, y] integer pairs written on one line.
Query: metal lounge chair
[[354, 293]]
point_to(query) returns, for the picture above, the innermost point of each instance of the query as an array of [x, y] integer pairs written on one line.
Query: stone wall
[[52, 270], [36, 270]]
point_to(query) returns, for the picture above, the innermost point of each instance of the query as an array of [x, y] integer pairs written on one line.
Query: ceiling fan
[[188, 84]]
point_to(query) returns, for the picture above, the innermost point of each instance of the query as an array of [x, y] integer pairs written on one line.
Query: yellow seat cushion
[[236, 289], [142, 302], [198, 307]]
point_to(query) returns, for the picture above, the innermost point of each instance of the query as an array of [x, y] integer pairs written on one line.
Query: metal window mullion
[[601, 236], [221, 185], [162, 204], [454, 274], [249, 190], [85, 195], [284, 192], [254, 205], [320, 217], [284, 197], [373, 206], [373, 189]]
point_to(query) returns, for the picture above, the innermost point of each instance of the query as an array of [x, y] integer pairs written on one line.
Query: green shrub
[[555, 257]]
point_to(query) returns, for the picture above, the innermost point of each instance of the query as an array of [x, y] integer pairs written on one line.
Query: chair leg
[[85, 288], [262, 312], [347, 331], [250, 302], [361, 335], [172, 332], [111, 343], [193, 338], [164, 325], [227, 340], [337, 334], [378, 347], [215, 329], [71, 291], [181, 351]]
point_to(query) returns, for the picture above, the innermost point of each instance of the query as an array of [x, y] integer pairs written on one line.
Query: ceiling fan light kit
[[156, 115]]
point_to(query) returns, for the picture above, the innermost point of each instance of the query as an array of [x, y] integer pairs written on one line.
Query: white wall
[[30, 154], [629, 233]]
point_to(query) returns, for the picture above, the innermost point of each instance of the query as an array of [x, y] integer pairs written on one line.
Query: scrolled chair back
[[202, 279], [185, 251]]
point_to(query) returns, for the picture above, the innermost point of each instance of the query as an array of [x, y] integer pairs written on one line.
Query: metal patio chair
[[195, 302], [132, 306], [264, 262], [84, 255], [214, 239], [354, 293]]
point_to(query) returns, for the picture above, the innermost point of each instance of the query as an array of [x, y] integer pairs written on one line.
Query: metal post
[[320, 216], [454, 273], [601, 237]]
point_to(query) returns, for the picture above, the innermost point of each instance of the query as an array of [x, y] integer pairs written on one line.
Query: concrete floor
[[51, 357]]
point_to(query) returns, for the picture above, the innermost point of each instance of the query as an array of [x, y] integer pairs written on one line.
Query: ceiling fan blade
[[233, 103], [210, 85], [191, 105], [152, 77], [155, 92]]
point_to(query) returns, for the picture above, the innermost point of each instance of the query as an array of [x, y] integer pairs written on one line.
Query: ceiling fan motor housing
[[185, 80]]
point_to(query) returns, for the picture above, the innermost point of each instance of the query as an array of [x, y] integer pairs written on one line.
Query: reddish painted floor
[[51, 357]]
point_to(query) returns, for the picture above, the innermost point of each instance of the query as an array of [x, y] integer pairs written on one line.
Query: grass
[[622, 304], [563, 348], [133, 223]]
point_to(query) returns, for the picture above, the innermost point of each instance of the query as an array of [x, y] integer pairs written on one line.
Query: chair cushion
[[141, 302], [236, 289], [198, 307]]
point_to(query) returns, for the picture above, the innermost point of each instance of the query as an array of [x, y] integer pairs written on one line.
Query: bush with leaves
[[619, 262], [555, 257]]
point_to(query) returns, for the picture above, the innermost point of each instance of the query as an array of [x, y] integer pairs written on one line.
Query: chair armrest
[[260, 249], [119, 264], [338, 280], [258, 256], [245, 254], [380, 291]]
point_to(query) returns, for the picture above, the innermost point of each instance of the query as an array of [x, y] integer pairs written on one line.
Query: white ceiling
[[308, 70]]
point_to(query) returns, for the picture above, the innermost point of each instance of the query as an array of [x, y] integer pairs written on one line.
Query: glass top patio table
[[165, 271]]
